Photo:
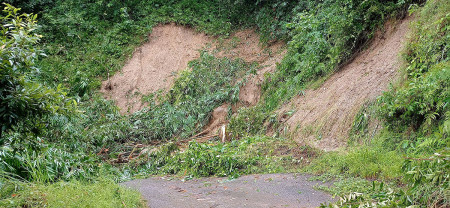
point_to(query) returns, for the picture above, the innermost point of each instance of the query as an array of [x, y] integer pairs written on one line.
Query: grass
[[370, 162], [102, 193]]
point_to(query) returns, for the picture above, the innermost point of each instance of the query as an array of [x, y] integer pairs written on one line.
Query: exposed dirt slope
[[245, 45], [323, 117], [154, 65]]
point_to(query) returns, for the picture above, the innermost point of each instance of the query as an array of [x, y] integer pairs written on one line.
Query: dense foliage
[[46, 136], [422, 100], [197, 92], [23, 100], [419, 108]]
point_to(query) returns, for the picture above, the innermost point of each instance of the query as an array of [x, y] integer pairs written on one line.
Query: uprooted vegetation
[[56, 127]]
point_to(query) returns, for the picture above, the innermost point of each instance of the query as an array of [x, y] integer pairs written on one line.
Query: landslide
[[153, 66], [323, 117]]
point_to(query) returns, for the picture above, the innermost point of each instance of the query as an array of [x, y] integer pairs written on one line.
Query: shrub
[[24, 101], [46, 166], [422, 100], [195, 94]]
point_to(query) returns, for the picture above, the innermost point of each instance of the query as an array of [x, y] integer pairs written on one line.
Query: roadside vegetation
[[61, 141], [412, 151]]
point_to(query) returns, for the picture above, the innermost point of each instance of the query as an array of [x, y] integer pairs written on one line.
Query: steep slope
[[323, 117], [154, 65]]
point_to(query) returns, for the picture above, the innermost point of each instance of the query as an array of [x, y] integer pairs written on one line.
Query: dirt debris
[[323, 117], [154, 65], [219, 118], [247, 47]]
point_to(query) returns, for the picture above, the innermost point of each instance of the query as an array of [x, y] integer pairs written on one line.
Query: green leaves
[[428, 179], [21, 97], [206, 159], [197, 91], [421, 102]]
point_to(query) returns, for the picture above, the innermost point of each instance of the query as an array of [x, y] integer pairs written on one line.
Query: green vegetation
[[209, 83], [322, 36], [24, 101], [245, 156], [103, 193], [413, 149], [366, 162], [58, 134]]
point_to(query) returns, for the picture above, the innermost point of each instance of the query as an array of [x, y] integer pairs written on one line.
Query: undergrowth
[[245, 156], [56, 123], [413, 148], [102, 193]]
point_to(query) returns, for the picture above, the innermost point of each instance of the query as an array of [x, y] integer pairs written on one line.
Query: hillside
[[225, 103], [323, 117]]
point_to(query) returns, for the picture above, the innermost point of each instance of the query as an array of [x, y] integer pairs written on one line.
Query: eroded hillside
[[323, 117]]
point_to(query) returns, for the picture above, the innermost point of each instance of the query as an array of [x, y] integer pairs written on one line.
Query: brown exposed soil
[[154, 65], [251, 91], [245, 45], [323, 116]]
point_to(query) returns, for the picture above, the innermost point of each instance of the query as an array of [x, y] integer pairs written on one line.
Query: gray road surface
[[268, 190]]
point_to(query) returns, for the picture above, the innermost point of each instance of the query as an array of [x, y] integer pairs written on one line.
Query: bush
[[102, 193], [422, 101], [428, 180], [24, 101], [247, 122], [50, 165], [198, 160]]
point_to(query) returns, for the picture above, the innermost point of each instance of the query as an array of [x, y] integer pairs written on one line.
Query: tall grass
[[103, 193]]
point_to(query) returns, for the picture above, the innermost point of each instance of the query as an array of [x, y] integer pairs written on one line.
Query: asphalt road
[[268, 190]]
